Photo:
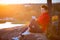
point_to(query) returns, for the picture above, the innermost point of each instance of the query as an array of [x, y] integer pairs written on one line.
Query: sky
[[25, 1]]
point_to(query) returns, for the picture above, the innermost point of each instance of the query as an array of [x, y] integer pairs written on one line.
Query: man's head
[[44, 9]]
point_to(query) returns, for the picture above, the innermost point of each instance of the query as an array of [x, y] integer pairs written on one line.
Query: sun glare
[[26, 1], [21, 1], [7, 1]]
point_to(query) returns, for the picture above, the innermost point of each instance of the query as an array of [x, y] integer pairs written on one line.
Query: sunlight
[[25, 1], [7, 1], [21, 1]]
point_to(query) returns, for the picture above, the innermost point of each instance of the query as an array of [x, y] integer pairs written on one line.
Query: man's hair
[[45, 7]]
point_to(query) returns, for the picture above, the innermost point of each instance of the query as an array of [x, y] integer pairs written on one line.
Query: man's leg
[[34, 26]]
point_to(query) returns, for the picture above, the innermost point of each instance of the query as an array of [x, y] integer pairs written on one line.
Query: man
[[39, 25], [42, 21]]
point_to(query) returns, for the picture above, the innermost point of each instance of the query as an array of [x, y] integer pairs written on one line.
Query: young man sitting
[[41, 23]]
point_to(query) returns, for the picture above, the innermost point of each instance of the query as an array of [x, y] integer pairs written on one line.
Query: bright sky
[[25, 1]]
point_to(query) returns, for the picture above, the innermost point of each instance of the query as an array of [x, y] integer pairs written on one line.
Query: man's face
[[43, 10]]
